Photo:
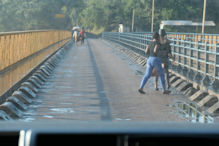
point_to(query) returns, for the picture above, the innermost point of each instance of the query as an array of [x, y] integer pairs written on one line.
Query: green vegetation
[[103, 15]]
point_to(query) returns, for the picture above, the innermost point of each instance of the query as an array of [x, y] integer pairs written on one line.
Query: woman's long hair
[[156, 36]]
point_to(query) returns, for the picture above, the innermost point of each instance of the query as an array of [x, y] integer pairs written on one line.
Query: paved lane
[[95, 82]]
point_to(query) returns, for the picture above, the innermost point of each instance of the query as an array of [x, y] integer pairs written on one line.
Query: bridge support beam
[[215, 85], [208, 101], [190, 91], [198, 96], [22, 97], [206, 81], [185, 71], [17, 102], [183, 86], [198, 77], [191, 74], [11, 110], [179, 69], [4, 115]]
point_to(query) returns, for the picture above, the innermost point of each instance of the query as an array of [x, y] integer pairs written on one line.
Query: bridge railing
[[15, 46], [207, 38], [197, 60]]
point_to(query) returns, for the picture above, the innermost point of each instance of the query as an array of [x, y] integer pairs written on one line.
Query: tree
[[102, 15]]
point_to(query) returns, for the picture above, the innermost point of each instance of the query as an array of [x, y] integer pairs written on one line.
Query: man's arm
[[147, 50]]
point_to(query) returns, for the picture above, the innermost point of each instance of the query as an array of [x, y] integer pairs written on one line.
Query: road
[[96, 82]]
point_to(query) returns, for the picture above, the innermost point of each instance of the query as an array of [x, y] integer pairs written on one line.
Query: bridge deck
[[96, 82]]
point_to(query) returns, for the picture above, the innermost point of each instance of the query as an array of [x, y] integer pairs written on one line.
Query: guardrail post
[[206, 80], [206, 57], [145, 39], [179, 68], [173, 67], [215, 84], [119, 37], [141, 45], [185, 69], [102, 35], [198, 76], [190, 72], [179, 50]]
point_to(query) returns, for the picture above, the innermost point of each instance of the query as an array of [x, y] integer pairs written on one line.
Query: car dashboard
[[108, 134]]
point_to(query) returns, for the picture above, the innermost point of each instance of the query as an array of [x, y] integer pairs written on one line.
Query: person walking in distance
[[164, 54], [153, 62], [82, 36], [75, 36]]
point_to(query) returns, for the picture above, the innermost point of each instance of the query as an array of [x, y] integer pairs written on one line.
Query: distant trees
[[38, 14], [114, 12], [102, 15]]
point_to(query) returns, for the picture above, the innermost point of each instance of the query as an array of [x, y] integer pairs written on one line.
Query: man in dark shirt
[[164, 54]]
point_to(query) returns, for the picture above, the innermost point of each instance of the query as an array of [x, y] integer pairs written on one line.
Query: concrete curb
[[40, 77], [214, 109], [22, 97], [42, 74], [190, 91], [4, 116], [30, 85], [46, 70], [173, 79], [34, 83], [51, 63], [36, 78], [199, 94], [183, 86], [208, 101], [27, 91], [49, 66], [177, 83], [11, 110], [18, 103]]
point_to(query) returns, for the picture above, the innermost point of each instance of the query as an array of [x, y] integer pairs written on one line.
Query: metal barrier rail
[[197, 61], [196, 37], [15, 46], [192, 112]]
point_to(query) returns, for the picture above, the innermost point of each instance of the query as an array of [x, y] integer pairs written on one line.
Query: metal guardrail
[[64, 44], [204, 38], [197, 60], [192, 112], [15, 46]]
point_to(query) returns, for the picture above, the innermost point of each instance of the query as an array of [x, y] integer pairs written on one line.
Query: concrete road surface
[[96, 82]]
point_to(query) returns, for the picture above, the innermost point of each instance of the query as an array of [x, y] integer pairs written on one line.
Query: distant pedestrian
[[75, 36], [72, 32], [164, 54], [82, 36], [153, 62]]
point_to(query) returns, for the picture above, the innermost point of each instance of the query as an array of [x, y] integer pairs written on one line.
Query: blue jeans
[[151, 63]]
